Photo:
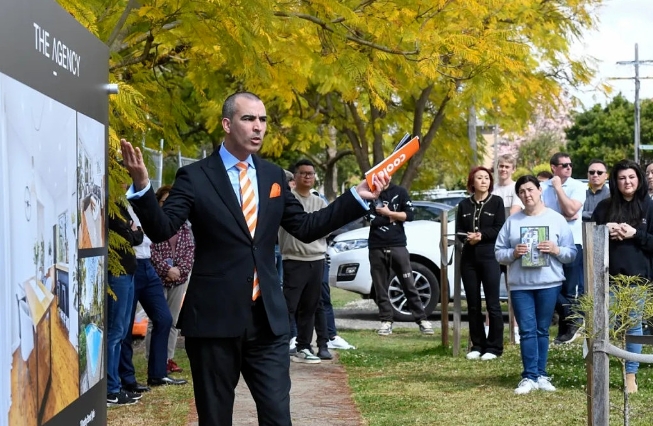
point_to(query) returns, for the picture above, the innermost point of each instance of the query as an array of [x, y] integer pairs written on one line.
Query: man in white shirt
[[566, 195], [506, 186]]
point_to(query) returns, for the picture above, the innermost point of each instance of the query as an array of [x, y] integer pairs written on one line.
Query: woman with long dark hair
[[628, 214], [479, 219]]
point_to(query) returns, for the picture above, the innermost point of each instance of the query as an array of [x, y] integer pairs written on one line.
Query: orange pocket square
[[275, 191]]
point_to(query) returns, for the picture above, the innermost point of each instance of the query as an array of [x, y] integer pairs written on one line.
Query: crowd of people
[[248, 307], [538, 241]]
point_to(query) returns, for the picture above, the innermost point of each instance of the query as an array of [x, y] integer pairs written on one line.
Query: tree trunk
[[331, 169]]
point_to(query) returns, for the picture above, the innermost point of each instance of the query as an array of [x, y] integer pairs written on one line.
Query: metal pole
[[160, 168], [495, 135], [636, 104], [471, 133]]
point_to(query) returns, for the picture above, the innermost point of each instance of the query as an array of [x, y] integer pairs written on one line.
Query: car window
[[452, 201], [426, 213], [432, 213]]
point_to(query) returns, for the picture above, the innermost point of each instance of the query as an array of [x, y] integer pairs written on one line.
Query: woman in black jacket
[[478, 221], [628, 215]]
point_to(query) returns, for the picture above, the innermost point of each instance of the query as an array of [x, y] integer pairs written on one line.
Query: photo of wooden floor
[[64, 388]]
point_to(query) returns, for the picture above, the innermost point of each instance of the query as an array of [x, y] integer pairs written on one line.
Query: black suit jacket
[[218, 298]]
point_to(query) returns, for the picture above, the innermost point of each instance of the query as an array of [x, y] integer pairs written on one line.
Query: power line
[[637, 78]]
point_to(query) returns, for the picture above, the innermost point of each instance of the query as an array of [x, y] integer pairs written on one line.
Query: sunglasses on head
[[565, 165], [596, 172]]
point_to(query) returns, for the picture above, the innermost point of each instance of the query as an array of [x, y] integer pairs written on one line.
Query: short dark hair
[[525, 179], [470, 178], [302, 162], [162, 191], [545, 174], [597, 161], [555, 159], [229, 105]]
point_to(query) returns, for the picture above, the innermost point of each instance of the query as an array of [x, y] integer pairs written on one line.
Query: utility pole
[[637, 78], [471, 133]]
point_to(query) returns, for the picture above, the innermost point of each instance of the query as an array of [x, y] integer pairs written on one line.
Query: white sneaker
[[544, 383], [473, 355], [488, 357], [525, 386], [385, 329], [425, 327], [293, 343], [339, 343], [306, 356]]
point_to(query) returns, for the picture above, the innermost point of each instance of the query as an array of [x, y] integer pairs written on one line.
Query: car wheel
[[427, 286]]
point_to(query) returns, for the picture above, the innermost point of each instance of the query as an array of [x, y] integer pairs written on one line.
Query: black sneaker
[[120, 398], [133, 395], [572, 334]]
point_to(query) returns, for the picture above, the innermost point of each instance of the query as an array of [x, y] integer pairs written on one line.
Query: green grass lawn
[[340, 297], [163, 405], [408, 379]]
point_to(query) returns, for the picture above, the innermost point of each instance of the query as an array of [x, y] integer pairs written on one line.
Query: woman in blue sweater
[[628, 214], [534, 243]]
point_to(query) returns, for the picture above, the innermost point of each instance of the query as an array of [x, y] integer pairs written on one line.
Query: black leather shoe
[[135, 388], [166, 381]]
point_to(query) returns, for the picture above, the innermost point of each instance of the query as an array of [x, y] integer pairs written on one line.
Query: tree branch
[[144, 37], [339, 155], [143, 57], [358, 40], [121, 22]]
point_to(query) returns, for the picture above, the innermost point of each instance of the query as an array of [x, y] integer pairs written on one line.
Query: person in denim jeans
[[534, 243], [119, 307], [628, 214]]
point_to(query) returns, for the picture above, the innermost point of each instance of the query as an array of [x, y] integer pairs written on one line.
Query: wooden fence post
[[595, 252], [456, 297], [444, 287]]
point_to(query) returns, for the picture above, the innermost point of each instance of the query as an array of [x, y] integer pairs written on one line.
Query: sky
[[622, 23]]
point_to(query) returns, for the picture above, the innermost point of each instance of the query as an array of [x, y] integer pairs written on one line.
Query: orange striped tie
[[248, 205]]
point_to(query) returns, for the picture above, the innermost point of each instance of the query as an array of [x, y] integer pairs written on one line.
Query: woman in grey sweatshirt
[[534, 243]]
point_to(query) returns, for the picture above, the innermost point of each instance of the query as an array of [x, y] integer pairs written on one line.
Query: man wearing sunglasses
[[597, 174], [566, 195]]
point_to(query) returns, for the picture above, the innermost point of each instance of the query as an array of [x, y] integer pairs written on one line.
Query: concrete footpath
[[319, 396]]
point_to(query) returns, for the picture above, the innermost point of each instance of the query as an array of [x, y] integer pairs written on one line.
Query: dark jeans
[[325, 322], [301, 288], [148, 290], [382, 261], [118, 320], [279, 263], [574, 284], [478, 270]]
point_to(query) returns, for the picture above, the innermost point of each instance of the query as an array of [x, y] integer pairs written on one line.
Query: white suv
[[349, 262], [350, 267]]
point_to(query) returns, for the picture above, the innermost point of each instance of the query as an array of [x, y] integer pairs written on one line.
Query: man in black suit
[[232, 325]]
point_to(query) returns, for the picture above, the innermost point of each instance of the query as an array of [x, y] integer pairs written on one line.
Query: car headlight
[[347, 245]]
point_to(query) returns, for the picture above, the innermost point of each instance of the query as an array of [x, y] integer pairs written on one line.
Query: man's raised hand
[[132, 159], [381, 181]]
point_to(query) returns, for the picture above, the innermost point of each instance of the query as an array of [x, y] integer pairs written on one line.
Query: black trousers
[[302, 288], [261, 357], [481, 269], [382, 261]]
